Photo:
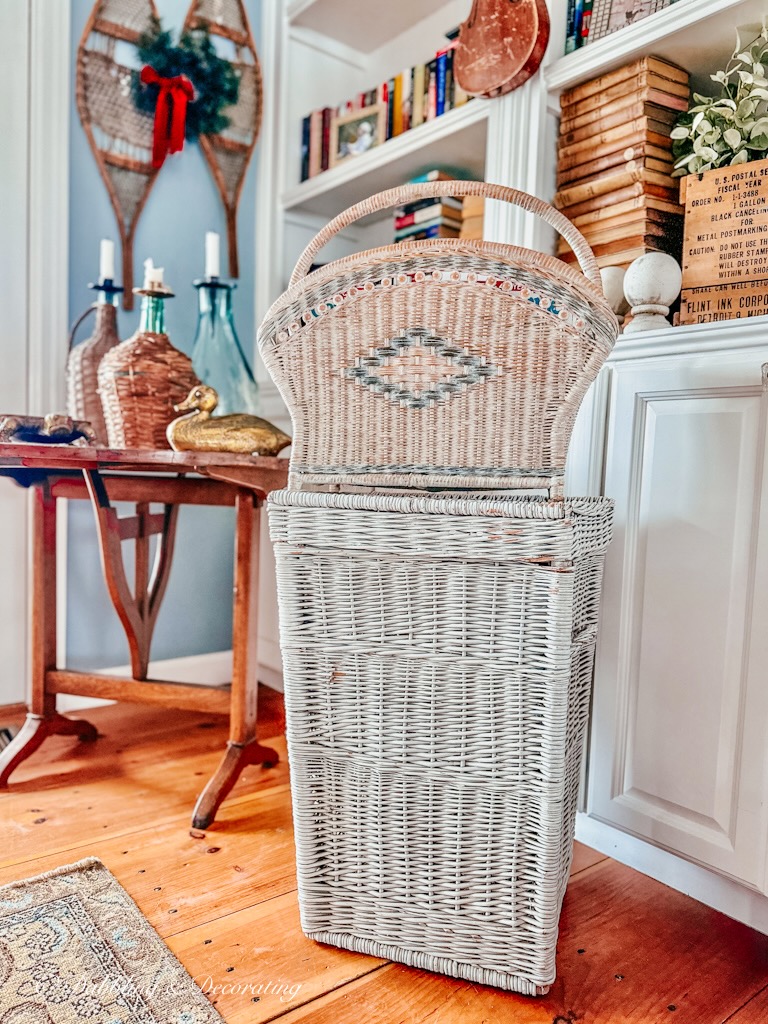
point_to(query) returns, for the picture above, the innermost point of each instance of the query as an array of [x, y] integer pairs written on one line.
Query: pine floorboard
[[631, 951]]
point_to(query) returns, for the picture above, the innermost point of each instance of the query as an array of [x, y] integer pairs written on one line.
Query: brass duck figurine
[[198, 431]]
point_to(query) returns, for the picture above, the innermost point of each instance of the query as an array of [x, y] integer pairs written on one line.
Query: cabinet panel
[[678, 672]]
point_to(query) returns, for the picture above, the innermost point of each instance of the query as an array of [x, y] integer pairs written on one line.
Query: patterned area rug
[[75, 949]]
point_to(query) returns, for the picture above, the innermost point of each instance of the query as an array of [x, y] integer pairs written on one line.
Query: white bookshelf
[[457, 138], [699, 35]]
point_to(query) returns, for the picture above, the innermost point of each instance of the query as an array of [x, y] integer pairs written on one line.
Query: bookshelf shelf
[[354, 24], [699, 35], [456, 139]]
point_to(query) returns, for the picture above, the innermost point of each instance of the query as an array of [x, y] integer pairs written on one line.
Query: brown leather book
[[650, 206], [630, 106], [627, 159], [646, 87], [653, 65], [619, 195]]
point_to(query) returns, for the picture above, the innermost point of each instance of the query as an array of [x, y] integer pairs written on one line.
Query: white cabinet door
[[678, 750]]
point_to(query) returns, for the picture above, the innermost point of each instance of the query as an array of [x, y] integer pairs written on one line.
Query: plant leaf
[[733, 137]]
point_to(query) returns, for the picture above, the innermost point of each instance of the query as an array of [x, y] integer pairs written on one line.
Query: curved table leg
[[37, 728], [237, 757]]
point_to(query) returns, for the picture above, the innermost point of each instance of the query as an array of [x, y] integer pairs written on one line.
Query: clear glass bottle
[[217, 357]]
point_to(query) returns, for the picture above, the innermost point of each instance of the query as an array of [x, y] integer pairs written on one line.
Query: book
[[446, 203], [621, 232], [425, 222], [304, 157], [473, 206], [616, 140], [441, 63], [656, 220], [605, 129], [624, 104], [431, 91], [647, 87], [435, 174], [407, 98], [449, 80], [570, 27], [315, 142], [417, 103], [628, 72], [586, 18], [595, 200], [612, 182], [648, 204], [325, 151], [446, 214], [621, 258], [426, 231], [390, 106], [397, 106], [472, 227], [567, 170]]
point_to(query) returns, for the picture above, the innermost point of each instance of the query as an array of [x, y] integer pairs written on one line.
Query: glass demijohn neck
[[152, 314]]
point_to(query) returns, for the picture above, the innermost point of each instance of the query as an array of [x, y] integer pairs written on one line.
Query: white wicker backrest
[[443, 362]]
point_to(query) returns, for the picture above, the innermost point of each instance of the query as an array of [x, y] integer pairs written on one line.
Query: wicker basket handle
[[427, 190], [77, 323]]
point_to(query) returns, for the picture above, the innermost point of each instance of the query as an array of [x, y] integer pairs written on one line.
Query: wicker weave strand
[[140, 381], [83, 400], [437, 645]]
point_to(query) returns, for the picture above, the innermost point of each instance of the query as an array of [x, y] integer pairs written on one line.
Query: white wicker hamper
[[437, 626]]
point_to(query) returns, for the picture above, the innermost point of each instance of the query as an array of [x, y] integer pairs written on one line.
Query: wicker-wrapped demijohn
[[143, 378]]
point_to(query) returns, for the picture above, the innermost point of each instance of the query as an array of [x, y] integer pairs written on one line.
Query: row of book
[[614, 167], [443, 217], [589, 20], [408, 99]]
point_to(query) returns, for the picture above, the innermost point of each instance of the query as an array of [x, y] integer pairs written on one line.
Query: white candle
[[106, 260], [212, 259], [153, 276]]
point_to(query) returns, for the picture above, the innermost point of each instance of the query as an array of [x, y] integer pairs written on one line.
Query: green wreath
[[216, 81]]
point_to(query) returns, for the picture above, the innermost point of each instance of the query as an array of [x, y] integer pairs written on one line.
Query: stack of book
[[614, 167], [411, 98], [441, 217], [472, 212]]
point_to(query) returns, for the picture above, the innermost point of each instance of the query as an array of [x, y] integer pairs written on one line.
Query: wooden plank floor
[[630, 950]]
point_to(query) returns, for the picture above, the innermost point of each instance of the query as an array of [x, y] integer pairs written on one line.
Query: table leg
[[242, 748], [43, 720]]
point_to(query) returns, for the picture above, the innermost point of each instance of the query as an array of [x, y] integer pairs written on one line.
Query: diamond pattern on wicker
[[418, 369]]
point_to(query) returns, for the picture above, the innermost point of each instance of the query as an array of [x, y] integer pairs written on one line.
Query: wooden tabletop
[[258, 472]]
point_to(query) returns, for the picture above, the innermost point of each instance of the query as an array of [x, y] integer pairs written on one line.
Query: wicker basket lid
[[443, 362]]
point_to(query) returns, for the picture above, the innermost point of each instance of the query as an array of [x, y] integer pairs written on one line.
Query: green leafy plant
[[731, 128], [215, 80]]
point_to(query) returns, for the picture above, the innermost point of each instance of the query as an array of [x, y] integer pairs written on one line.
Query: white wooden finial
[[651, 285], [613, 287]]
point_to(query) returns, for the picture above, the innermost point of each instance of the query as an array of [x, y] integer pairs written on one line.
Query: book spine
[[577, 16], [407, 98], [646, 87], [305, 148], [390, 106], [435, 174], [450, 85], [417, 103], [623, 74], [428, 216], [432, 91], [586, 18], [419, 231], [325, 151], [445, 203], [441, 63], [315, 142], [625, 106], [397, 106], [570, 27]]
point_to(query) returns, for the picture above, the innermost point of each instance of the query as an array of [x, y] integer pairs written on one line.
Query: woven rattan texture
[[437, 664], [83, 399], [140, 381], [367, 406]]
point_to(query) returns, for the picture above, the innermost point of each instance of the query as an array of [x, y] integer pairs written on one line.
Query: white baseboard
[[708, 887], [212, 669]]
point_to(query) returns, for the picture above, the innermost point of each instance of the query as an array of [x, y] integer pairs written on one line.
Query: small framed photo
[[357, 132]]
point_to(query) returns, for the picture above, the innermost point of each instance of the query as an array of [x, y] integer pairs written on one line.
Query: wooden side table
[[144, 478]]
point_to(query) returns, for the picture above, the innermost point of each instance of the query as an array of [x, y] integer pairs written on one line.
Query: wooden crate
[[725, 244]]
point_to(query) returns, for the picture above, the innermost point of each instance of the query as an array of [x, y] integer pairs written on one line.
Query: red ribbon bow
[[170, 113]]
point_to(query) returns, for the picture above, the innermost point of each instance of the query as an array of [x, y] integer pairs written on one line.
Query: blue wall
[[183, 205]]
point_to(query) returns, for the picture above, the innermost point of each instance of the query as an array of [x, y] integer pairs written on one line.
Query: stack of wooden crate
[[614, 168]]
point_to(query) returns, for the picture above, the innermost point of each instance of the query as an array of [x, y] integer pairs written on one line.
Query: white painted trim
[[326, 44], [723, 894], [48, 260], [211, 669], [746, 333]]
